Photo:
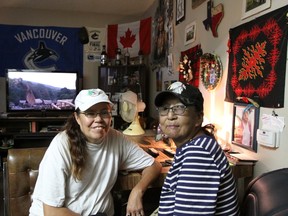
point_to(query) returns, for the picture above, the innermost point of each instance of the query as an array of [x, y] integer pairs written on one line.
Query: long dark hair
[[77, 143]]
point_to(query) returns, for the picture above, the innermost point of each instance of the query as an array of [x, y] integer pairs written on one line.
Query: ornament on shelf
[[127, 57], [103, 56], [118, 56], [141, 56], [211, 70]]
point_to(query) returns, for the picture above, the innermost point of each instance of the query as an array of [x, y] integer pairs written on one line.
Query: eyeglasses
[[102, 114], [177, 110]]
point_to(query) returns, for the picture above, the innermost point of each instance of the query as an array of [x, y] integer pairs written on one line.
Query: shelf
[[30, 131], [115, 80], [35, 135], [30, 118]]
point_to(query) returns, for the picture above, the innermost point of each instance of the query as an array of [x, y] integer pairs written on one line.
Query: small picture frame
[[190, 33], [110, 80], [108, 94], [115, 109], [112, 122], [180, 11], [196, 3], [251, 7], [245, 125]]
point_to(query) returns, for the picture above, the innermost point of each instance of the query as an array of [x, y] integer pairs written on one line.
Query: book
[[243, 157], [240, 159]]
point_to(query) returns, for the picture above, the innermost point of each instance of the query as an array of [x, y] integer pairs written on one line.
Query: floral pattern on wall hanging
[[257, 60]]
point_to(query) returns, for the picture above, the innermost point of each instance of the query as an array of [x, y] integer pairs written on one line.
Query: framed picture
[[108, 94], [190, 33], [180, 11], [251, 7], [245, 125], [196, 3]]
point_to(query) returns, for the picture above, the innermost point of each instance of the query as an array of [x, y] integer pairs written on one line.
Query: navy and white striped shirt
[[200, 181]]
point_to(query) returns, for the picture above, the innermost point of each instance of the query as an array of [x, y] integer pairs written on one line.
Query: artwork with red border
[[257, 60], [189, 65]]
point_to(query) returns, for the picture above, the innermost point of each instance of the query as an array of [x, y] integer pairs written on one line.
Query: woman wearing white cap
[[81, 164]]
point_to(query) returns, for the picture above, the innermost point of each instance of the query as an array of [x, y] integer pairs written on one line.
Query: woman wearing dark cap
[[200, 181]]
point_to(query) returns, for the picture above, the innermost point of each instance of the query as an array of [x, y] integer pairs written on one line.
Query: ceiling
[[113, 7]]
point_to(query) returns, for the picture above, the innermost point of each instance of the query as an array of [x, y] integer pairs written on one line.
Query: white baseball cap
[[89, 97]]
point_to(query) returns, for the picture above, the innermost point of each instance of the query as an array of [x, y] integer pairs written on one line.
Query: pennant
[[134, 36], [257, 60], [40, 48]]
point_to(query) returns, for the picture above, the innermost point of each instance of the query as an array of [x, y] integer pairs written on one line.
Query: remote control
[[169, 161], [170, 151], [153, 152]]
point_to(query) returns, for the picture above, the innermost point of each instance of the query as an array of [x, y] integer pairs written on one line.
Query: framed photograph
[[108, 94], [245, 125], [190, 33], [251, 7], [180, 11], [112, 122]]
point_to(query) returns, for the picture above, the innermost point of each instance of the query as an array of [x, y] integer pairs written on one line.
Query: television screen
[[43, 91]]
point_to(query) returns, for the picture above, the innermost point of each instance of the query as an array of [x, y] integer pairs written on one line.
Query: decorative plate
[[211, 70]]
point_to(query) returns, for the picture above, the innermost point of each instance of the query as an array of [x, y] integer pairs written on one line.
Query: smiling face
[[94, 129], [182, 127]]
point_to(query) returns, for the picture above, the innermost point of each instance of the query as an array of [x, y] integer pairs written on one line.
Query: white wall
[[216, 110]]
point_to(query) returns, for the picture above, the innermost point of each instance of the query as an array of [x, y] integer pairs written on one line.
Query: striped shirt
[[200, 181]]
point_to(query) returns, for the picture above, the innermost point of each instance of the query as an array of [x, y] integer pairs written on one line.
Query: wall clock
[[211, 70]]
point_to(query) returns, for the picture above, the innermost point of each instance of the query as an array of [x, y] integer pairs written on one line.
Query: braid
[[77, 149]]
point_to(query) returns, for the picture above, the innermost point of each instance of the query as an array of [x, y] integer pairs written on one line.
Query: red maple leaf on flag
[[128, 39]]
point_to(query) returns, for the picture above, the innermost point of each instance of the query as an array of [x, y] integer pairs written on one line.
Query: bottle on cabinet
[[127, 57], [141, 56], [118, 56], [103, 56]]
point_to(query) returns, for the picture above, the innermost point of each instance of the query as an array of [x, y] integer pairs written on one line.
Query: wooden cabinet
[[115, 80]]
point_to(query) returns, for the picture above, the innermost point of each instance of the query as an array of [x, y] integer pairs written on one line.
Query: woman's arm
[[56, 211], [149, 174]]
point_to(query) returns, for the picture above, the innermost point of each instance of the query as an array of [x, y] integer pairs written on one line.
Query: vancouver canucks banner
[[257, 60], [45, 48]]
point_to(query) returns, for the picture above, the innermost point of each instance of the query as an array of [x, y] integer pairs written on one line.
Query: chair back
[[267, 195], [20, 175]]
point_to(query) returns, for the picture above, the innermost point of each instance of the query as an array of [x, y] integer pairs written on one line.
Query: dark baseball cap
[[189, 95]]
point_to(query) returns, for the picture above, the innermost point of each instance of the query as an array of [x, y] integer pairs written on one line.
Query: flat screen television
[[32, 92]]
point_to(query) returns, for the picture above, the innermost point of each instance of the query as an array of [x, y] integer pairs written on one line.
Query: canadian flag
[[133, 36]]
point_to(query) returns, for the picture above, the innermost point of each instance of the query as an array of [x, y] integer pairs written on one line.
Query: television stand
[[24, 115], [43, 114], [28, 131]]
